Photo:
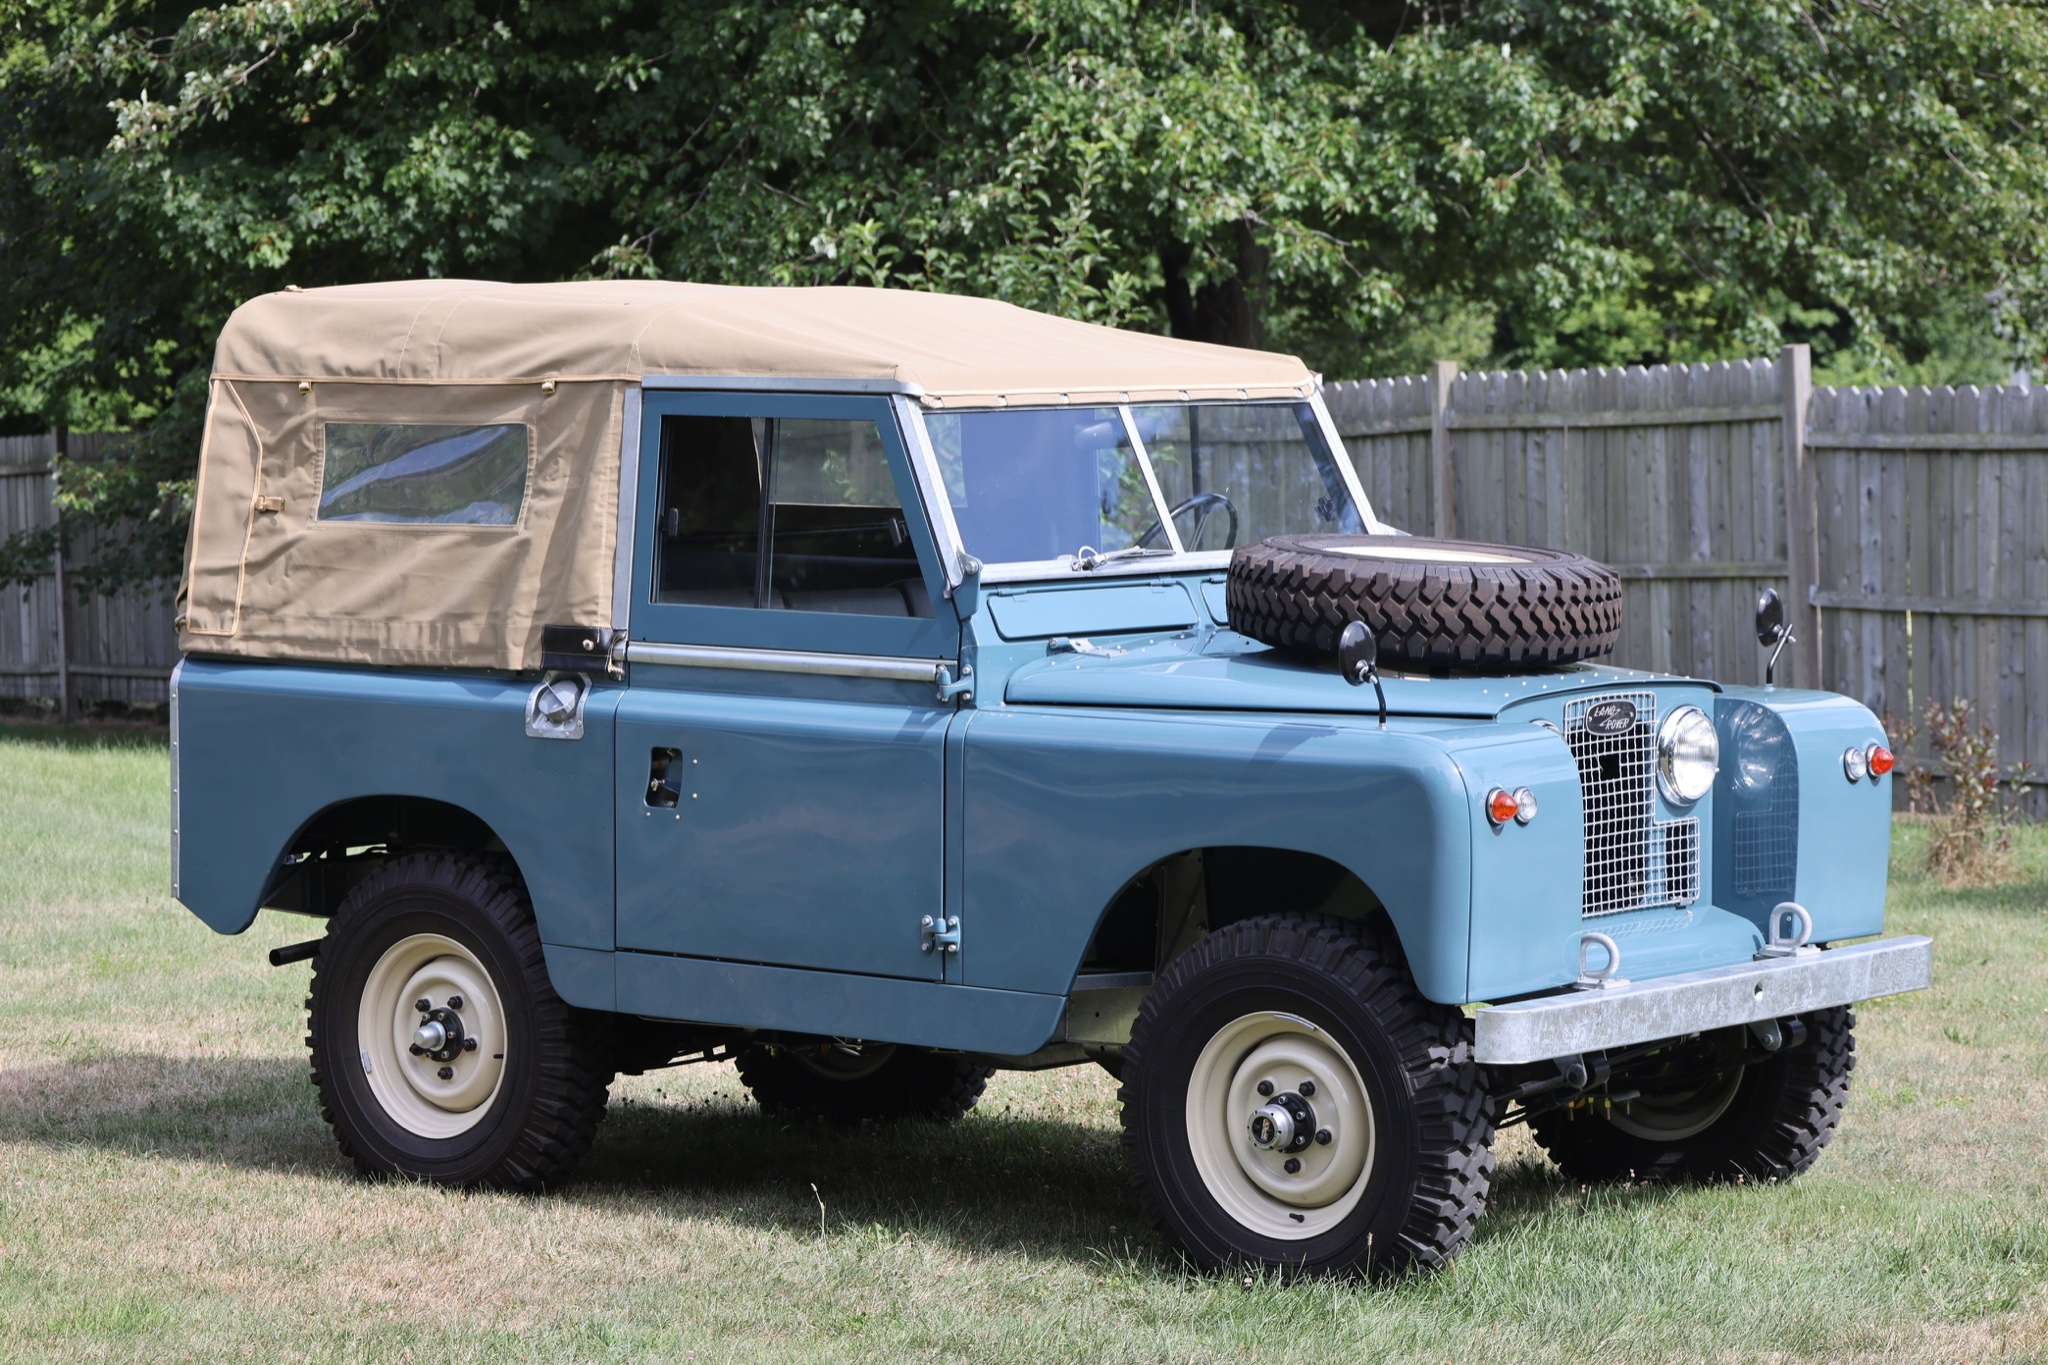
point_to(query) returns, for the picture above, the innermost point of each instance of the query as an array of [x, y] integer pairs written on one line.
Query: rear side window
[[791, 514], [423, 474]]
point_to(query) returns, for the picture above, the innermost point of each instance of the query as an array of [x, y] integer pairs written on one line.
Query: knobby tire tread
[[1446, 1086], [572, 1046]]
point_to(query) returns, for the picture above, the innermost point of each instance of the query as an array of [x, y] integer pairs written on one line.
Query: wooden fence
[[55, 641], [1906, 528]]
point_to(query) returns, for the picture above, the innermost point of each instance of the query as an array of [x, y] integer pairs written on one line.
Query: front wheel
[[1293, 1102], [440, 1050], [1700, 1114]]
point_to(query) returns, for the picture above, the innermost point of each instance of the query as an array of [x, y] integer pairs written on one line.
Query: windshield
[[1046, 484], [1263, 469], [1042, 483]]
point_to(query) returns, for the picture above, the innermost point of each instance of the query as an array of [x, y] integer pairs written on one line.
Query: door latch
[[940, 936]]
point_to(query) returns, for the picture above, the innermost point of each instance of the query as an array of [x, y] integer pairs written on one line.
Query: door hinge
[[940, 936], [950, 687]]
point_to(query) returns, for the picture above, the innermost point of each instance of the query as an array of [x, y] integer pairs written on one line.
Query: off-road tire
[[1546, 608], [544, 1114], [1783, 1113], [1426, 1184], [904, 1083]]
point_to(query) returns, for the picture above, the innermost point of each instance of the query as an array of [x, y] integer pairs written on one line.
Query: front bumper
[[1673, 1006]]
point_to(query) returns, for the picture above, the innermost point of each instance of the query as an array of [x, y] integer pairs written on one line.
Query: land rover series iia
[[879, 689]]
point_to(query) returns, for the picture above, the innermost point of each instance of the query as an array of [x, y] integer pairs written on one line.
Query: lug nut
[[423, 1005], [418, 1051], [1265, 1087], [1292, 1165], [454, 1002], [1323, 1137], [446, 1073], [469, 1044], [1308, 1088]]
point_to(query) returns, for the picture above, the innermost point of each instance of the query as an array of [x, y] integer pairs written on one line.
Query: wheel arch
[[1165, 907], [347, 840]]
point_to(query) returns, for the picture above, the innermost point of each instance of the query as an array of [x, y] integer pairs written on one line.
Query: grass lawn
[[167, 1191]]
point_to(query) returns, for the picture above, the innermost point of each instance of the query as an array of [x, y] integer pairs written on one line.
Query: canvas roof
[[955, 349]]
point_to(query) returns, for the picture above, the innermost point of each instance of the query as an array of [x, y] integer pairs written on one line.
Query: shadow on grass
[[990, 1184]]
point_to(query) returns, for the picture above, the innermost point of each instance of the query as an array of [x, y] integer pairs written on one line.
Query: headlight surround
[[1688, 755]]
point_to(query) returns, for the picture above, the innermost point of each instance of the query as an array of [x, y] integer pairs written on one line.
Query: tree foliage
[[1527, 181]]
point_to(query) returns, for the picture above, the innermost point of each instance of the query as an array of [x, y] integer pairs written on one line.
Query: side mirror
[[1358, 660], [1358, 653], [1770, 618]]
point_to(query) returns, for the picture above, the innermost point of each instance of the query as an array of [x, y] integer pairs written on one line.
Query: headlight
[[1688, 755]]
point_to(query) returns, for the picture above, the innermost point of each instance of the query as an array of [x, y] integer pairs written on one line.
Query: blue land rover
[[879, 689]]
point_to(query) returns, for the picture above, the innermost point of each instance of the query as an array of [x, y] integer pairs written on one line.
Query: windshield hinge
[[940, 936]]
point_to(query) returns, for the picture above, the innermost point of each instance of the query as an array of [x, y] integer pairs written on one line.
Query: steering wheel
[[1205, 504]]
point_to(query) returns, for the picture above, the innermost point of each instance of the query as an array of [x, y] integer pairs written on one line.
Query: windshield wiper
[[1088, 557]]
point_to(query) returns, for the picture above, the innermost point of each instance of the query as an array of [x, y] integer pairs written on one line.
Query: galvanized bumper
[[1670, 1007]]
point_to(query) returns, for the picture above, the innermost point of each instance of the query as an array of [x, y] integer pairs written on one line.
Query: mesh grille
[[1632, 859]]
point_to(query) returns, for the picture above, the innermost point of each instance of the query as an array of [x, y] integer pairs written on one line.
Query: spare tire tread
[[1299, 592]]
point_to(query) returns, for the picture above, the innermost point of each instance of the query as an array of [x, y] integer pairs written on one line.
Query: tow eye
[[440, 1036]]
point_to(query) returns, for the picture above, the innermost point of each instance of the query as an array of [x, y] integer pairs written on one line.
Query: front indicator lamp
[[1503, 805], [1688, 755], [1855, 764], [1880, 761]]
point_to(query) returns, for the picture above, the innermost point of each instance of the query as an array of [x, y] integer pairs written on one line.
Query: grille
[[1632, 858]]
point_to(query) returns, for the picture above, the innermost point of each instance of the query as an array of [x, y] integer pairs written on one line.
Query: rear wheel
[[1293, 1102], [1765, 1121], [440, 1050], [848, 1083]]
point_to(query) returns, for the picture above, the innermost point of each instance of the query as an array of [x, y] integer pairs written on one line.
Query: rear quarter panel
[[264, 748]]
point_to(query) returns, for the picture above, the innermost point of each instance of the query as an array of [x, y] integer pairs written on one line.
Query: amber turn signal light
[[1501, 805], [1881, 760]]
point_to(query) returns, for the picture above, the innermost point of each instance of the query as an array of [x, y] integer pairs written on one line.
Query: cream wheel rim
[[409, 1084], [1253, 1065]]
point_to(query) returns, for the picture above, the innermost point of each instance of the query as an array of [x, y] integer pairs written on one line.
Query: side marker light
[[1525, 805], [1880, 760], [1501, 806], [1855, 764]]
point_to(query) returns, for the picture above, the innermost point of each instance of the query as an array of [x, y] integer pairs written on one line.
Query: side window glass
[[792, 514], [423, 474]]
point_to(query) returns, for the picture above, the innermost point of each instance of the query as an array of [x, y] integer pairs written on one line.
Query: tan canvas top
[[956, 349], [488, 419]]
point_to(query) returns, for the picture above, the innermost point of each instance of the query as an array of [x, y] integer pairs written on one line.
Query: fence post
[[1443, 471], [1802, 531], [64, 686]]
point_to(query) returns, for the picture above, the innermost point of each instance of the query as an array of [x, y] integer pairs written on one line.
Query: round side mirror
[[1770, 618], [1357, 653]]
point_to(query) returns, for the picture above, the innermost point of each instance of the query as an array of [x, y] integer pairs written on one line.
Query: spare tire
[[1435, 605]]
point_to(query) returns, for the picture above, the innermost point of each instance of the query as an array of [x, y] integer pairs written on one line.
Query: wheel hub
[[1287, 1124]]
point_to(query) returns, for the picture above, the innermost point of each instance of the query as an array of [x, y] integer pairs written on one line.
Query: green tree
[[1522, 181]]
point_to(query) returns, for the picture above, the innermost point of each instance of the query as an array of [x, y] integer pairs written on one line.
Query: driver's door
[[781, 745]]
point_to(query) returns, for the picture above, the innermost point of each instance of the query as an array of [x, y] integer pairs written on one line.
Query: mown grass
[[168, 1192]]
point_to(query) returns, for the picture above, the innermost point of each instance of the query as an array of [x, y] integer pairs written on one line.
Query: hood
[[1225, 671]]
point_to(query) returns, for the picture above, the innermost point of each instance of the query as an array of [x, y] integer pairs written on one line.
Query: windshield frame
[[932, 488]]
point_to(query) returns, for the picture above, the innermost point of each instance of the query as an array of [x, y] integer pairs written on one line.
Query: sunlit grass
[[167, 1190]]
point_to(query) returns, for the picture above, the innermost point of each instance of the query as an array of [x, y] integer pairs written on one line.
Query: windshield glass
[[1041, 483], [1261, 469]]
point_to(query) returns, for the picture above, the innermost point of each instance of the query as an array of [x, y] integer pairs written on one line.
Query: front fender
[[1062, 806]]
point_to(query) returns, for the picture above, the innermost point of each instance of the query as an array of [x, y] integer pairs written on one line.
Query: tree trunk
[[1226, 311]]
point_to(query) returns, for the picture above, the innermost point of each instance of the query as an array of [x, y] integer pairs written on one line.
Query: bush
[[1974, 844]]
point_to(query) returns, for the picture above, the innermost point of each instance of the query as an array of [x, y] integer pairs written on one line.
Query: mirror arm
[[1771, 664]]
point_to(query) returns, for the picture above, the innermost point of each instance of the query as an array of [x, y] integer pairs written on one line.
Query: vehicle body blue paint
[[820, 820]]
